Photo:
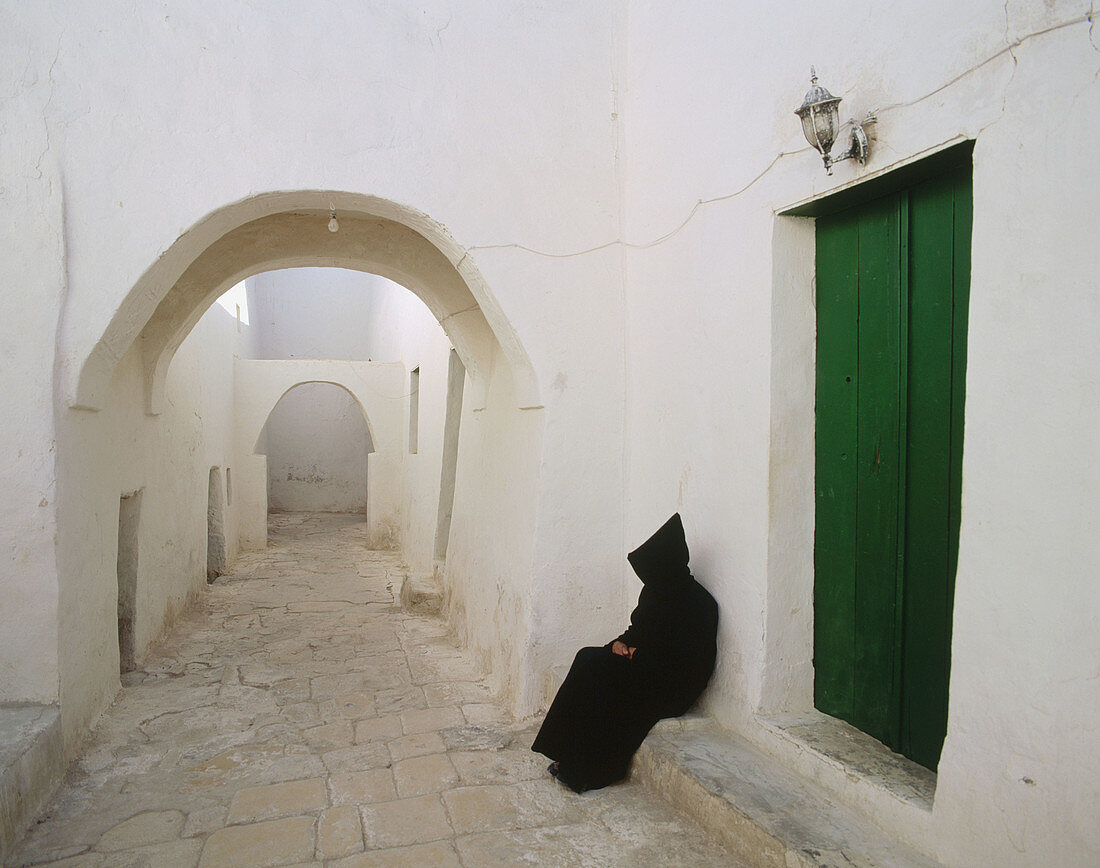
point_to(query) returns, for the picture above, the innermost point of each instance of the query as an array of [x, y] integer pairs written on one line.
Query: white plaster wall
[[316, 440], [168, 458], [576, 596], [487, 576], [316, 445], [725, 432], [430, 106], [402, 329], [316, 313], [489, 581], [613, 171], [32, 249]]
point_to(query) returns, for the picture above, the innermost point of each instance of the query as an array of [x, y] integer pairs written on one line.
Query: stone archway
[[286, 230], [115, 358]]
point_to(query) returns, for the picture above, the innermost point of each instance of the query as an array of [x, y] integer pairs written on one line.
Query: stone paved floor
[[297, 717]]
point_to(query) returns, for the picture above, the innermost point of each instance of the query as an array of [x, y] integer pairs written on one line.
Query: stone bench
[[422, 594], [761, 810], [31, 766]]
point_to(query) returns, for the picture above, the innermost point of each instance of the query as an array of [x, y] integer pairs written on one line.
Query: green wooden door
[[893, 280]]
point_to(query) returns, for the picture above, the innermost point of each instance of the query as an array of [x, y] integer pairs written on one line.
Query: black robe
[[608, 703]]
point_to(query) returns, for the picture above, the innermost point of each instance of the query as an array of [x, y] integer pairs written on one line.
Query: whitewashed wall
[[317, 443], [402, 329], [726, 431], [612, 174], [32, 266], [316, 440], [168, 459], [316, 313], [376, 389]]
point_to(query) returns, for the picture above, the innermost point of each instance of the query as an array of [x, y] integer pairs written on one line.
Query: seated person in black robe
[[614, 695]]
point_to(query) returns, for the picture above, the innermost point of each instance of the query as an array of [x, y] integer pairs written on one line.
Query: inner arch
[[256, 441], [316, 439]]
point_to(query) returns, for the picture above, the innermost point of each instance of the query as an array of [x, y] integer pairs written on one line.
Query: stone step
[[422, 594], [759, 809], [31, 765]]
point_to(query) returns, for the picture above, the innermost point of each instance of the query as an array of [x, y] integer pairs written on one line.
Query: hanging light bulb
[[333, 223]]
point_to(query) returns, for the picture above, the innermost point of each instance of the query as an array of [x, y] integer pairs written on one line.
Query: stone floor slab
[[440, 854], [171, 854], [431, 720], [150, 827], [277, 800], [261, 845], [424, 774], [378, 729], [406, 821], [575, 846], [416, 745], [494, 807], [83, 860], [204, 821], [233, 744], [339, 832]]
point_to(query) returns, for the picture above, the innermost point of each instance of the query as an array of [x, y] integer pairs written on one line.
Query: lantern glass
[[825, 120], [820, 116]]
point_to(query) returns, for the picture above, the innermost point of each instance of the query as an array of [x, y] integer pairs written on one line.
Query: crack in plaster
[[653, 243], [451, 316], [1009, 49], [439, 31], [45, 108]]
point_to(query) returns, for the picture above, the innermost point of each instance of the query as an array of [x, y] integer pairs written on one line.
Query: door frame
[[893, 288], [786, 688]]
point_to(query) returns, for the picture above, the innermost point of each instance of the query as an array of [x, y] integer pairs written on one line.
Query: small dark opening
[[129, 518], [215, 526]]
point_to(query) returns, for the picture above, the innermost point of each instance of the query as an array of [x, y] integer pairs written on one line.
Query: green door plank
[[877, 470], [835, 525], [903, 468], [928, 486]]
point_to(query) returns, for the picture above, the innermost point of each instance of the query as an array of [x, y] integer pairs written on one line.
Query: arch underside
[[177, 290], [318, 382], [266, 382]]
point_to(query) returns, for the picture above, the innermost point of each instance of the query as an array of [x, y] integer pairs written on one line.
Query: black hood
[[661, 562]]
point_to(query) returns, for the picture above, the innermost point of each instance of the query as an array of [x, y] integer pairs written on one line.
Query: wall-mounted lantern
[[820, 115]]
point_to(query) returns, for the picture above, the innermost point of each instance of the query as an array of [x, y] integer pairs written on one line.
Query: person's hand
[[622, 649]]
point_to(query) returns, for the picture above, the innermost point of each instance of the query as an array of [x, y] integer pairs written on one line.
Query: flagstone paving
[[298, 717]]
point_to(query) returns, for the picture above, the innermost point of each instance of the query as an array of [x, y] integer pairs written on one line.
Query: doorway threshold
[[857, 754]]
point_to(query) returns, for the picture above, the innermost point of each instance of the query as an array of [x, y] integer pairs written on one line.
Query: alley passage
[[297, 716]]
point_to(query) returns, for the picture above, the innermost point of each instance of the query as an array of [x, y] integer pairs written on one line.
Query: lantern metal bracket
[[858, 146]]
